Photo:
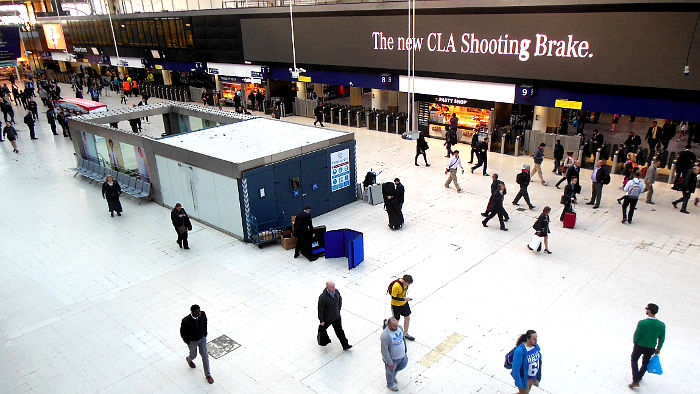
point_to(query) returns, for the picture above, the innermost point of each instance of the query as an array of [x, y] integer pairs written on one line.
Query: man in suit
[[570, 192], [684, 162], [398, 196], [598, 141], [668, 131], [494, 187], [632, 142], [497, 208], [475, 142], [482, 152], [599, 178], [303, 230], [653, 136], [523, 179]]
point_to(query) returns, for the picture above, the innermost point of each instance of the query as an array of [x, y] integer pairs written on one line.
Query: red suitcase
[[570, 219]]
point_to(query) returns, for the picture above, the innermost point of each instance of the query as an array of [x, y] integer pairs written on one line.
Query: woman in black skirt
[[111, 191]]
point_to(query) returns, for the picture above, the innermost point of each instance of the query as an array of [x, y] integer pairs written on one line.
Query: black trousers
[[567, 209], [499, 212], [449, 149], [53, 127], [522, 193], [557, 163], [31, 132], [632, 203], [418, 153], [684, 200], [482, 162], [182, 239], [471, 155], [319, 119], [303, 243], [338, 328], [645, 353]]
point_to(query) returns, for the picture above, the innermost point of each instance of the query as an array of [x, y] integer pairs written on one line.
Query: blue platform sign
[[340, 170], [9, 43]]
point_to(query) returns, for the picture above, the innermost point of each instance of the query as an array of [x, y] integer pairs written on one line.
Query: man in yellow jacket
[[399, 302]]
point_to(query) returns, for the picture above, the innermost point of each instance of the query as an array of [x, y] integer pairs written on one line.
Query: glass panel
[[101, 147], [128, 154], [89, 148]]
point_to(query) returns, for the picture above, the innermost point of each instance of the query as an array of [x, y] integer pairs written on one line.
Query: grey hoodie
[[391, 341]]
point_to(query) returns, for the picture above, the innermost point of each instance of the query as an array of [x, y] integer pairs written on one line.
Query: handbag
[[535, 242], [654, 365], [563, 200], [322, 337], [561, 169]]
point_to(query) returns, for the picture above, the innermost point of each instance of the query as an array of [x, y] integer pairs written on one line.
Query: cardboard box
[[289, 243]]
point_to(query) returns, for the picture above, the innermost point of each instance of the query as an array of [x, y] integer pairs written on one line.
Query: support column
[[377, 98], [62, 66], [393, 106], [167, 77], [553, 118], [217, 82], [301, 90], [123, 71], [541, 116], [355, 97]]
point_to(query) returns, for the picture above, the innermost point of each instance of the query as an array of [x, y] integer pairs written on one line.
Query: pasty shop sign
[[467, 44]]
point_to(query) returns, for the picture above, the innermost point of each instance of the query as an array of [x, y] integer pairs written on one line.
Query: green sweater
[[648, 331]]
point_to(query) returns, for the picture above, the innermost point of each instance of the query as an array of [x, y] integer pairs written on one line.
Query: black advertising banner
[[9, 43], [615, 48]]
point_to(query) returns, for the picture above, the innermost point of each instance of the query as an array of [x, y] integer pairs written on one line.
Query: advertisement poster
[[53, 32], [340, 170], [141, 162], [9, 43], [89, 145], [115, 154]]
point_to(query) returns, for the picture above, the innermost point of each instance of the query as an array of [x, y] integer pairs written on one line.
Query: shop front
[[231, 86], [435, 112]]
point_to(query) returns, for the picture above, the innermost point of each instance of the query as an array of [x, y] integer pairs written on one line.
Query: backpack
[[391, 285], [606, 178], [508, 364]]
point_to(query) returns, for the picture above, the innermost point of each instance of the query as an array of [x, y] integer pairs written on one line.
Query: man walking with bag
[[650, 334], [451, 168], [182, 224], [329, 304], [633, 188], [523, 179], [538, 157], [482, 150]]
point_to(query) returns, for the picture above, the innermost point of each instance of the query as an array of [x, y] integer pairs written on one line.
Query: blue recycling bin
[[345, 243]]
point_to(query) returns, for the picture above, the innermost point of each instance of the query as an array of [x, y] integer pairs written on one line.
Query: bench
[[132, 186]]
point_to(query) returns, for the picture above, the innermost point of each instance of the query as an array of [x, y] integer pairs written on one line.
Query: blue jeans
[[391, 373]]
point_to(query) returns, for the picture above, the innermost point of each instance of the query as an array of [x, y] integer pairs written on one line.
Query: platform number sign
[[386, 79], [526, 91], [340, 170]]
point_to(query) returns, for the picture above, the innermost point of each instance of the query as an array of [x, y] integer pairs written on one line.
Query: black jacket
[[398, 194], [329, 307], [475, 139], [570, 191], [690, 181], [111, 191], [523, 179], [573, 171], [302, 223], [685, 160], [598, 140], [29, 119], [192, 329], [559, 151], [421, 144], [633, 141], [318, 111], [482, 148], [180, 221], [496, 201], [542, 224]]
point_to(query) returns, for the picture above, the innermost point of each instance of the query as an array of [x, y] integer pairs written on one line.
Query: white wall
[[205, 195]]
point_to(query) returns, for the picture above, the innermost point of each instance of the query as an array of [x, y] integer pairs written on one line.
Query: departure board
[[170, 33]]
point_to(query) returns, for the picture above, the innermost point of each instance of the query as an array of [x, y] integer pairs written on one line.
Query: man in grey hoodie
[[393, 352]]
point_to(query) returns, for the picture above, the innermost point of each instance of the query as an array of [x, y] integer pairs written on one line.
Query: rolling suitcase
[[570, 219]]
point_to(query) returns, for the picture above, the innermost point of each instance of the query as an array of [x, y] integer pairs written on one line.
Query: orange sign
[[53, 32]]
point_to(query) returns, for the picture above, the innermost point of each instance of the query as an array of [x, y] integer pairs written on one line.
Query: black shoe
[[472, 170], [347, 347], [416, 164], [35, 138], [384, 324], [528, 246], [55, 133], [547, 251], [296, 255], [428, 165], [558, 187], [484, 223], [684, 212], [515, 203], [623, 221], [410, 338], [111, 214], [532, 207], [675, 205], [470, 162], [504, 229], [484, 214], [590, 203], [506, 219], [596, 206], [486, 174], [179, 244], [119, 213], [186, 247], [619, 201]]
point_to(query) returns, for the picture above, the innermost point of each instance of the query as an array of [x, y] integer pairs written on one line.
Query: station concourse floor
[[91, 303]]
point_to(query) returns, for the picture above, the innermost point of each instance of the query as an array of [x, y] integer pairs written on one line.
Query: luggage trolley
[[267, 231]]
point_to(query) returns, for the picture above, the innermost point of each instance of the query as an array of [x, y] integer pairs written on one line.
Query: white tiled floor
[[91, 303]]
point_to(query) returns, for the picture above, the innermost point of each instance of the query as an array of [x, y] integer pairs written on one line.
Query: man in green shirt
[[649, 332]]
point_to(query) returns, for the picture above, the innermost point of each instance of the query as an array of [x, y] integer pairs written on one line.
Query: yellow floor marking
[[440, 350]]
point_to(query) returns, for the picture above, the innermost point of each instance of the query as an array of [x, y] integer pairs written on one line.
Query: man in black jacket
[[598, 140], [523, 179], [497, 208], [632, 142], [482, 152], [303, 230], [558, 156], [653, 135], [494, 187], [29, 121], [329, 304], [475, 142], [318, 112], [182, 223], [193, 331], [599, 178], [690, 181], [398, 196]]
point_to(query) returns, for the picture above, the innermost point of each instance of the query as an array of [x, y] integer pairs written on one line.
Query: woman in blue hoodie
[[527, 362]]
